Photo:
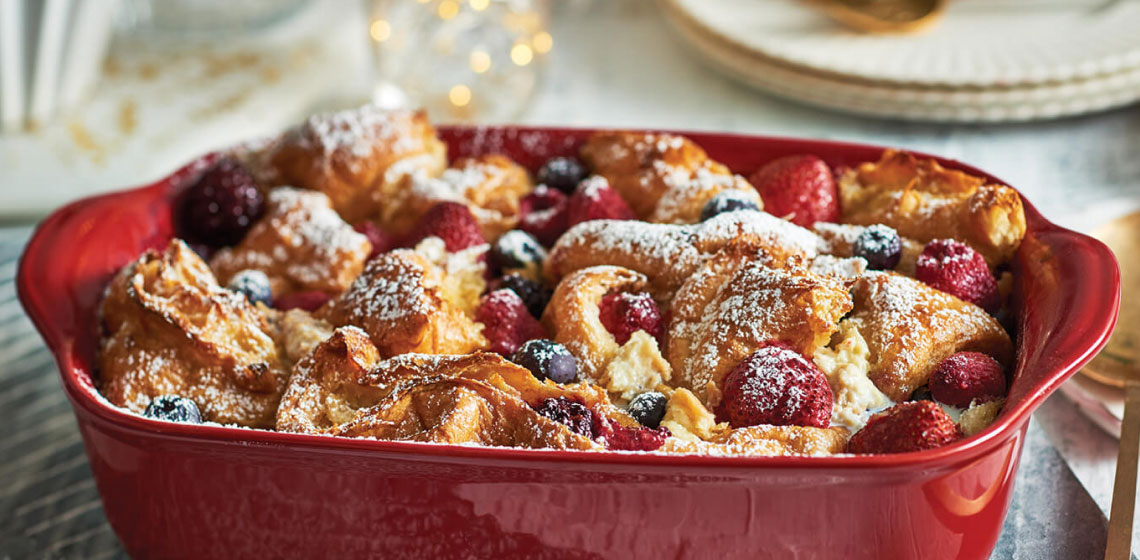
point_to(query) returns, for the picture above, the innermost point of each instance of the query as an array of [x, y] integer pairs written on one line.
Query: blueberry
[[533, 294], [880, 245], [562, 173], [254, 284], [921, 394], [220, 206], [648, 408], [574, 415], [519, 252], [174, 409], [547, 359], [727, 201]]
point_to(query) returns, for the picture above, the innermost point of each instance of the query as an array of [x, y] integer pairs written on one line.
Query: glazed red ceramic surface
[[207, 491]]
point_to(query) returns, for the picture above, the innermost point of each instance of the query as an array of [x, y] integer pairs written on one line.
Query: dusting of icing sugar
[[771, 386], [390, 288], [662, 242], [357, 130], [772, 230], [842, 268], [306, 221]]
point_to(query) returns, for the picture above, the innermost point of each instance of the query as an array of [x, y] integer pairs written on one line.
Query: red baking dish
[[207, 491]]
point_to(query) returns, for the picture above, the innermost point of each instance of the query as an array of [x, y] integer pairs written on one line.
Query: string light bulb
[[459, 95], [448, 9], [479, 5], [521, 54], [542, 42], [480, 61], [380, 30]]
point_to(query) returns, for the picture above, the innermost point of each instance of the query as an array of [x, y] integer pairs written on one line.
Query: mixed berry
[[544, 214], [173, 408], [908, 426], [624, 313], [562, 173], [254, 285], [880, 246], [572, 414], [727, 201], [534, 294], [966, 378], [801, 188], [959, 270], [648, 408], [221, 205], [547, 359], [507, 323], [778, 386]]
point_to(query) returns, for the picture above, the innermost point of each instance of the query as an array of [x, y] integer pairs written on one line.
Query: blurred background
[[104, 94], [99, 95]]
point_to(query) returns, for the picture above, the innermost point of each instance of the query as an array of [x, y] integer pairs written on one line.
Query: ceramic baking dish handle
[[1069, 296]]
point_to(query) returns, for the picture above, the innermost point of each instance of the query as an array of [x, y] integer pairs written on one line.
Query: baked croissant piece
[[357, 157], [168, 328], [491, 186], [765, 440], [342, 388], [664, 178], [669, 254], [572, 316], [910, 328], [400, 300], [301, 244], [925, 201], [736, 302]]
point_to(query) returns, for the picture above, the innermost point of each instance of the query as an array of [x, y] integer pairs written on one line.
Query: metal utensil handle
[[1124, 488]]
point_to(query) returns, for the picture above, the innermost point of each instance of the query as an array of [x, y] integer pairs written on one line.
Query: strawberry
[[506, 322], [542, 214], [381, 241], [908, 426], [595, 199], [800, 187], [776, 385], [966, 377], [957, 269], [623, 314], [450, 221]]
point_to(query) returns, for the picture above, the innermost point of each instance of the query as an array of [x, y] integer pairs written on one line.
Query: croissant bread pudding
[[343, 280]]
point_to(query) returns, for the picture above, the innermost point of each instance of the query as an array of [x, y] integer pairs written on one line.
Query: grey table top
[[49, 506]]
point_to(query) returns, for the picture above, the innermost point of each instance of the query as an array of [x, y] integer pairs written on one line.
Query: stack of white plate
[[985, 61]]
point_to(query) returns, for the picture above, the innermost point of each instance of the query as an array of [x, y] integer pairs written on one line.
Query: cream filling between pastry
[[637, 367], [846, 364], [463, 280]]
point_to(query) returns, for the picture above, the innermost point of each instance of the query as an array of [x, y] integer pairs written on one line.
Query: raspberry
[[450, 221], [624, 438], [965, 377], [309, 301], [535, 295], [623, 314], [880, 246], [908, 426], [799, 186], [506, 322], [562, 173], [381, 241], [572, 414], [542, 214], [955, 268], [220, 207], [595, 199], [776, 385]]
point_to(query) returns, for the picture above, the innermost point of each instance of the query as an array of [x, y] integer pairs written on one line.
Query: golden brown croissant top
[[668, 254], [664, 178], [398, 299], [925, 201], [357, 157], [491, 186], [170, 329], [301, 244]]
